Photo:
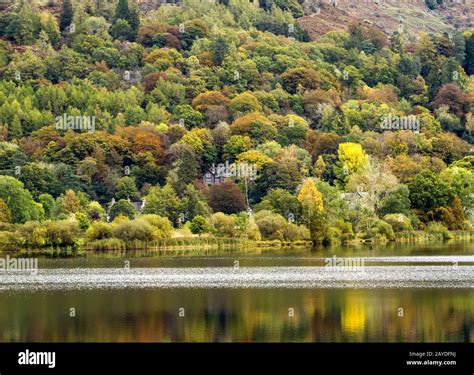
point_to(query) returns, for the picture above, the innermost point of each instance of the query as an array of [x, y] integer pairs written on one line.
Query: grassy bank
[[188, 243]]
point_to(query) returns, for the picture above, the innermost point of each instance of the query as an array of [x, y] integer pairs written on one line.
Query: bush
[[162, 227], [273, 226], [399, 222], [339, 230], [200, 225], [82, 220], [293, 232], [99, 231], [62, 232], [223, 224], [122, 207], [31, 234], [378, 230], [133, 230], [95, 211], [439, 229]]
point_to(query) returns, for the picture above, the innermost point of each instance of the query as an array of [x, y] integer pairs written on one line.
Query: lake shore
[[197, 243]]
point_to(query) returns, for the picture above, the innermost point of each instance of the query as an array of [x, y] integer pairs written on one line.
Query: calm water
[[399, 294]]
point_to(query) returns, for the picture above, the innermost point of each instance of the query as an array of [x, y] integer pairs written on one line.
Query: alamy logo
[[66, 122], [239, 170], [19, 264], [344, 264], [400, 123], [37, 358]]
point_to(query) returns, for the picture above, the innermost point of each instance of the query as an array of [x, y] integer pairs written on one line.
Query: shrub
[[200, 225], [99, 230], [223, 224], [439, 229], [95, 211], [122, 207], [162, 227], [62, 232], [82, 220], [378, 230], [399, 222], [339, 230], [31, 234], [131, 230], [273, 226]]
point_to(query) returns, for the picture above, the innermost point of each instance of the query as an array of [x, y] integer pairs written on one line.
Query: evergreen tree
[[469, 60], [122, 11], [67, 14], [134, 20], [52, 32], [459, 47]]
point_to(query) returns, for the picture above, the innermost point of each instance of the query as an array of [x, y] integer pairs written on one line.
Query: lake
[[395, 293]]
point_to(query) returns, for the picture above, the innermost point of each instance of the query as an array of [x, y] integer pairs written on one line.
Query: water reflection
[[242, 315]]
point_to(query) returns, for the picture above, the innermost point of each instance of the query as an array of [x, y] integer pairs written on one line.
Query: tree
[[257, 126], [219, 49], [95, 211], [49, 205], [200, 225], [5, 214], [428, 191], [312, 202], [67, 14], [304, 78], [164, 202], [121, 30], [187, 116], [123, 208], [226, 197], [193, 203], [50, 28], [236, 145], [19, 200], [283, 203], [451, 95], [396, 202], [469, 60], [319, 143], [125, 188], [69, 202], [122, 11], [244, 103], [352, 158]]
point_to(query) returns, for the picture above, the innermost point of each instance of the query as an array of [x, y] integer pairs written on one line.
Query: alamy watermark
[[344, 264], [391, 122], [66, 122], [29, 265], [238, 170]]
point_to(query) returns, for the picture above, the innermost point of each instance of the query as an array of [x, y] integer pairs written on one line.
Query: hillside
[[323, 16], [125, 124]]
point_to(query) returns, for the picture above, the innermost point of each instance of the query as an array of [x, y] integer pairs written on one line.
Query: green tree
[[19, 200], [193, 203], [200, 225], [125, 188], [164, 202], [122, 11], [429, 191], [122, 207], [67, 14]]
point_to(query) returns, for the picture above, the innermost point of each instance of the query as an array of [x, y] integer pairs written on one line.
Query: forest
[[125, 127]]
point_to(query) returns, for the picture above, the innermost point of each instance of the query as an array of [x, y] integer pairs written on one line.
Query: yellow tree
[[352, 158], [312, 201]]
